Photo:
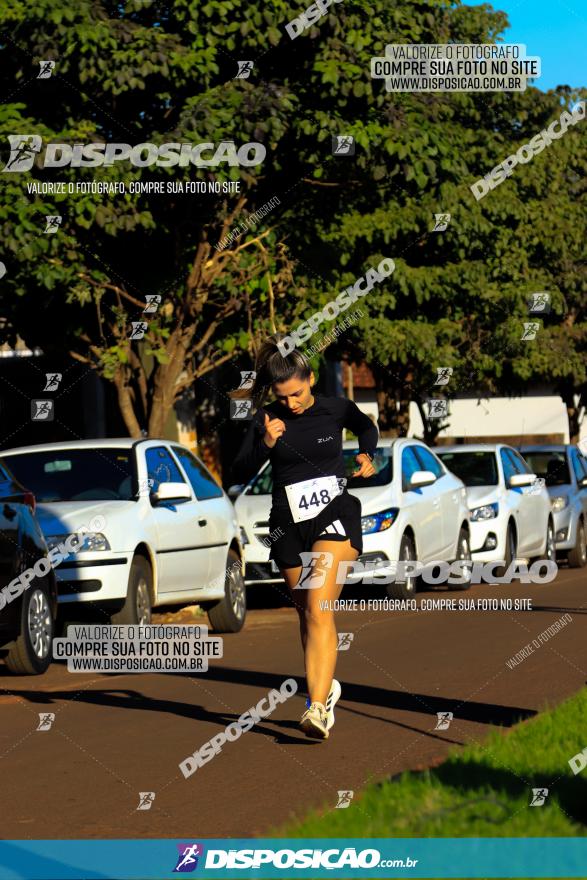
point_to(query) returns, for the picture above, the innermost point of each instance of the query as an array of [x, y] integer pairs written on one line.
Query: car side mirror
[[421, 478], [235, 490], [171, 492], [516, 481]]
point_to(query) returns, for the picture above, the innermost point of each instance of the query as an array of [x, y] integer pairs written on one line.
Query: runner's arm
[[253, 453], [361, 425]]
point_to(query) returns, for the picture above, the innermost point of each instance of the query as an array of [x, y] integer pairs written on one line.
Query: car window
[[551, 465], [161, 468], [382, 462], [100, 474], [522, 466], [203, 483], [474, 468], [410, 465], [428, 461], [579, 465], [508, 464], [262, 484]]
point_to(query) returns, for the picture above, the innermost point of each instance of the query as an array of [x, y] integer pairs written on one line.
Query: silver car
[[564, 470]]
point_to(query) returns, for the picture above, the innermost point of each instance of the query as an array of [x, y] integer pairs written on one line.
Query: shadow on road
[[365, 695]]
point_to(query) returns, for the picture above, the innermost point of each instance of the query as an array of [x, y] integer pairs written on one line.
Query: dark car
[[27, 620]]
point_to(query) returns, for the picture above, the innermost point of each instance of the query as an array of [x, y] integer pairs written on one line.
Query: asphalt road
[[120, 734]]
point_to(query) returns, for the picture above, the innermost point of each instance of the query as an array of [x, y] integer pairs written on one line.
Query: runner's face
[[296, 394]]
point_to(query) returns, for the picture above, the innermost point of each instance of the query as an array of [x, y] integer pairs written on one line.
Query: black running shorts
[[339, 521]]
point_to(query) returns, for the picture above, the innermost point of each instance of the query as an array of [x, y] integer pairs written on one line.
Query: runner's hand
[[274, 428], [366, 468]]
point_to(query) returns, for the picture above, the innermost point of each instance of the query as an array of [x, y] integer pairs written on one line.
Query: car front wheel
[[464, 557], [137, 608], [229, 614], [578, 555], [405, 589], [510, 551], [30, 653]]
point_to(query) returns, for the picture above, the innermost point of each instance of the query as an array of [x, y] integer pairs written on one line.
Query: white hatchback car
[[412, 508], [511, 516], [171, 536]]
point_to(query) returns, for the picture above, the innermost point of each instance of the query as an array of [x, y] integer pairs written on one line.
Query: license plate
[[308, 498]]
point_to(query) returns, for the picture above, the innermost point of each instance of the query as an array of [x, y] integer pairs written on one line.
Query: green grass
[[478, 791]]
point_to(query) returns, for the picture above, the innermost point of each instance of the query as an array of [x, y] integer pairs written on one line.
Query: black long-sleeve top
[[310, 447]]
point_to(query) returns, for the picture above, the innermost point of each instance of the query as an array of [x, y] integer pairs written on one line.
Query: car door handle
[[9, 512], [202, 522]]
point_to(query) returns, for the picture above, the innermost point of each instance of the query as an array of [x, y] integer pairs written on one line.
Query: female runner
[[301, 433]]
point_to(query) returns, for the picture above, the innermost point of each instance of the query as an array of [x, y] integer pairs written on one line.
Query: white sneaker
[[314, 721], [331, 701]]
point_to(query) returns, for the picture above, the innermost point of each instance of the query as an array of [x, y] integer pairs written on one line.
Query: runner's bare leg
[[317, 627]]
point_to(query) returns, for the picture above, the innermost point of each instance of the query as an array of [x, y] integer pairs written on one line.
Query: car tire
[[137, 607], [31, 652], [463, 554], [229, 614], [406, 589], [578, 555], [510, 551], [550, 548]]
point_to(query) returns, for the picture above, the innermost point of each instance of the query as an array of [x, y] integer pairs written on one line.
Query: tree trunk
[[165, 380], [125, 403]]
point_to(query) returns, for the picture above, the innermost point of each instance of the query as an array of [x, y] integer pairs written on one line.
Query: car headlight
[[487, 511], [559, 502], [378, 522], [87, 542]]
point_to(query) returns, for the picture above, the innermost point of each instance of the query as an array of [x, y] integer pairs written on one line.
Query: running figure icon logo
[[539, 796], [52, 381], [46, 719], [187, 861], [444, 719], [313, 572], [42, 410], [241, 409], [52, 222], [146, 799], [23, 150], [344, 799], [343, 145]]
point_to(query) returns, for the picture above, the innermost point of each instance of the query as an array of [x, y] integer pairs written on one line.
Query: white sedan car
[[511, 516], [170, 536], [413, 508]]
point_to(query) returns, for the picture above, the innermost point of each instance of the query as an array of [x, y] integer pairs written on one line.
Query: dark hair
[[272, 366]]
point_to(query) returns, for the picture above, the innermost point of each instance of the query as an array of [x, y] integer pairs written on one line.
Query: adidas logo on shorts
[[335, 528]]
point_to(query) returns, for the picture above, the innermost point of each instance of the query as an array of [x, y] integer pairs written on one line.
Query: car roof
[[101, 443], [544, 447], [383, 441], [386, 442], [470, 447]]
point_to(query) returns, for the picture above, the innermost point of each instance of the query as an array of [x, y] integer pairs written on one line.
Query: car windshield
[[473, 468], [262, 484], [551, 466], [382, 462], [75, 474]]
